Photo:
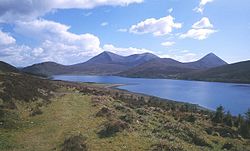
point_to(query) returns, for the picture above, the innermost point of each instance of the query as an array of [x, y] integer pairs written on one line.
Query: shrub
[[166, 147], [228, 120], [191, 118], [111, 128], [219, 114], [128, 118], [75, 143], [104, 112]]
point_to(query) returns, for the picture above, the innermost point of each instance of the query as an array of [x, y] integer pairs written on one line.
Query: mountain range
[[146, 65], [108, 63]]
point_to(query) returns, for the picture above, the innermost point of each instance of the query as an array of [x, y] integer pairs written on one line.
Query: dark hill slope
[[5, 67], [237, 72], [46, 69]]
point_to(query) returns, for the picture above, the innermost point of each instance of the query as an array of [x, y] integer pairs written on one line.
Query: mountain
[[157, 68], [137, 65], [5, 67], [209, 61], [106, 63], [169, 68], [237, 72], [112, 58], [46, 69], [137, 59], [106, 57]]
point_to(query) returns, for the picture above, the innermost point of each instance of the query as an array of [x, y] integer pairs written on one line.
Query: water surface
[[234, 97]]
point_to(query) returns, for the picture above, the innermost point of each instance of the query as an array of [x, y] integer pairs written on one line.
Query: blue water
[[234, 97]]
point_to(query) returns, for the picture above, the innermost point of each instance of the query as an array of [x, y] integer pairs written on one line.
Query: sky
[[72, 31]]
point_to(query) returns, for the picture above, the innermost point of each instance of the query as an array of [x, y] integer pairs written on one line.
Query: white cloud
[[43, 30], [6, 39], [170, 10], [186, 57], [199, 34], [203, 23], [168, 43], [158, 27], [88, 14], [124, 51], [183, 56], [16, 54], [201, 6], [12, 10], [56, 43], [54, 40], [200, 30], [122, 30], [104, 24]]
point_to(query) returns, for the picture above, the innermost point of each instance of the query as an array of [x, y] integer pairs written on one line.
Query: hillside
[[45, 69], [56, 115], [237, 72], [5, 67]]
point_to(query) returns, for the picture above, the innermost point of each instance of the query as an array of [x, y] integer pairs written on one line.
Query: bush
[[75, 143], [111, 128], [128, 118], [104, 112], [219, 114], [166, 147], [142, 111], [191, 118]]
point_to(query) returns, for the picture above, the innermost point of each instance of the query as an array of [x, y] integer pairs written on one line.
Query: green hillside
[[54, 115]]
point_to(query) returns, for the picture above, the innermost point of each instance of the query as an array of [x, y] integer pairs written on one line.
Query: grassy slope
[[73, 110]]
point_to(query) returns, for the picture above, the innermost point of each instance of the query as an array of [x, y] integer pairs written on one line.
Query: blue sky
[[71, 31]]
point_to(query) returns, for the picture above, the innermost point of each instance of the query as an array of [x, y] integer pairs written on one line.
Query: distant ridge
[[170, 68], [237, 73]]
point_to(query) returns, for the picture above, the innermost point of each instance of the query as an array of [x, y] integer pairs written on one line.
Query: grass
[[67, 115]]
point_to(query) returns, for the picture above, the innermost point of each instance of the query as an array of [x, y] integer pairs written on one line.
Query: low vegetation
[[72, 116]]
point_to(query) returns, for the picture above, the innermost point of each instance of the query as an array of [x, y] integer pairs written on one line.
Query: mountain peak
[[106, 57], [211, 54], [108, 53], [209, 61], [212, 57]]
